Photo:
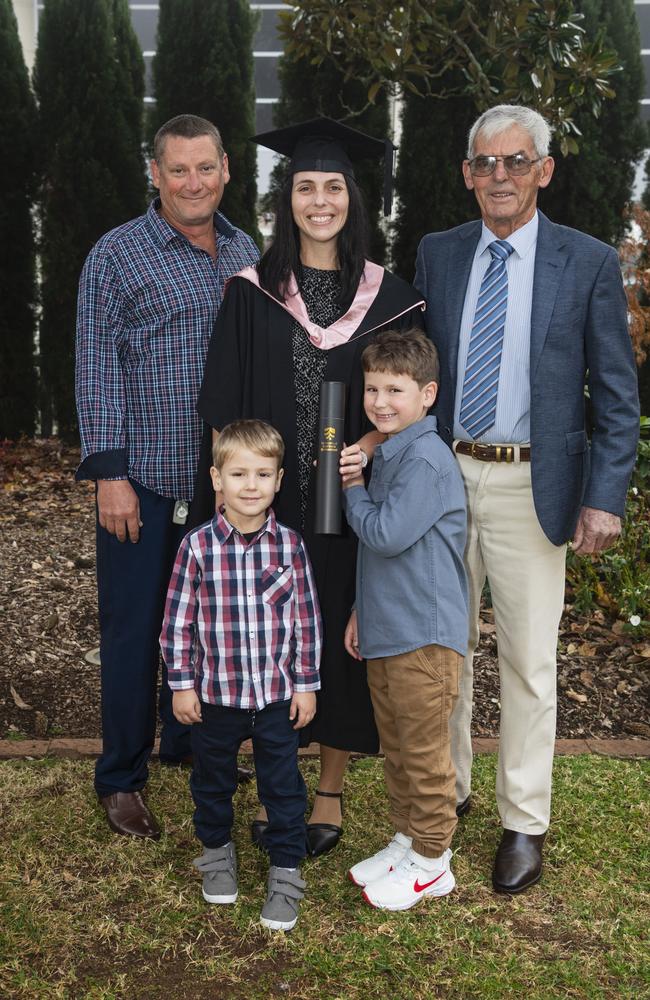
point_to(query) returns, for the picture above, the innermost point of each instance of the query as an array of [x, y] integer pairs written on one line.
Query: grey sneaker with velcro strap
[[285, 890], [219, 868]]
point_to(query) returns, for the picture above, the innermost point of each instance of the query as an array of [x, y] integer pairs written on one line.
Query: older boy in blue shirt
[[410, 620]]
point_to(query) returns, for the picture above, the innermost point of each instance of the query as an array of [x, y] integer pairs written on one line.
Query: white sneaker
[[381, 863], [409, 882]]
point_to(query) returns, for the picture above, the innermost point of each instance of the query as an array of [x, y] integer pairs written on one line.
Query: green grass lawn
[[86, 914]]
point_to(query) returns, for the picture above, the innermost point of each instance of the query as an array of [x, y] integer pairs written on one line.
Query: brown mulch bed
[[49, 622]]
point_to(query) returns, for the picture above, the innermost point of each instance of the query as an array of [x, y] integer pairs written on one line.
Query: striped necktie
[[479, 403]]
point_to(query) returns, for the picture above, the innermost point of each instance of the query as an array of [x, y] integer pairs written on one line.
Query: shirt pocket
[[276, 585]]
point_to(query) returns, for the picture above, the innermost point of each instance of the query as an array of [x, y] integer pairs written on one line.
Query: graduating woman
[[302, 316]]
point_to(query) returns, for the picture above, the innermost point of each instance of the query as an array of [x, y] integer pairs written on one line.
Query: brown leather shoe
[[128, 813], [518, 861]]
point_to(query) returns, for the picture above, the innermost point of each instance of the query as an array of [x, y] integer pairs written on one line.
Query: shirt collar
[[400, 441], [224, 530], [522, 240], [165, 233]]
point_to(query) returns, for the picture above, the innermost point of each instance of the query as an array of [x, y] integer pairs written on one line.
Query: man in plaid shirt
[[241, 638], [148, 298]]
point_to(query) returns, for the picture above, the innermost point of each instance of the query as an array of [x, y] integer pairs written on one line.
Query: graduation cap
[[329, 146]]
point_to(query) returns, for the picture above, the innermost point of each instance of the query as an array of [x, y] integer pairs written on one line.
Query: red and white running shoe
[[380, 863], [409, 882]]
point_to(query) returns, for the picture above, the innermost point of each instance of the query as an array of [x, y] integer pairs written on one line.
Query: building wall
[[25, 11], [266, 50], [642, 8]]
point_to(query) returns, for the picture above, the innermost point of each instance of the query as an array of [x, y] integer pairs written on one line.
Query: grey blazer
[[578, 334]]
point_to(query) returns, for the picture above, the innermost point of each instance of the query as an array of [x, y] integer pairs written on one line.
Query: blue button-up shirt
[[148, 300], [512, 422], [411, 522]]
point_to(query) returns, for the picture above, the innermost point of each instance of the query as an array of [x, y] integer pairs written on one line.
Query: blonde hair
[[256, 435]]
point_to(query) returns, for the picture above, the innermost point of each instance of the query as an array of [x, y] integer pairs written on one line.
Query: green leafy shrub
[[619, 578]]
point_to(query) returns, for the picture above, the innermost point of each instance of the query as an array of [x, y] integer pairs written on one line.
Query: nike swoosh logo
[[418, 888]]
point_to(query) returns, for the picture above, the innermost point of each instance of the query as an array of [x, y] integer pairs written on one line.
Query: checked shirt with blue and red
[[148, 300], [242, 624]]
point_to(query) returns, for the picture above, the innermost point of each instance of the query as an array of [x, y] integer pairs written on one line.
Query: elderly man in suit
[[524, 313]]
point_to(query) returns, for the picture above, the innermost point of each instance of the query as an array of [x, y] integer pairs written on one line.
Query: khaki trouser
[[413, 695], [526, 575]]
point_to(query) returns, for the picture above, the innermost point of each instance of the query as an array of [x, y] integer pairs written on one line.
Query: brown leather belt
[[492, 452]]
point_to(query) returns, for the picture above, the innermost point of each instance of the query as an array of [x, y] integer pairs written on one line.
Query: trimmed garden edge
[[80, 748]]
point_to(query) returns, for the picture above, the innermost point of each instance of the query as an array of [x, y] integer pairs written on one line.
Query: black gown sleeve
[[220, 398]]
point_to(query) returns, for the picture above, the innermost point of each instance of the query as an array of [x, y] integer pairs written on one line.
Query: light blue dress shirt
[[411, 525], [512, 423]]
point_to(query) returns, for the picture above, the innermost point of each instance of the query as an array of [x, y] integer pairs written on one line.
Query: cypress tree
[[204, 66], [590, 190], [432, 194], [17, 183], [93, 177], [308, 91]]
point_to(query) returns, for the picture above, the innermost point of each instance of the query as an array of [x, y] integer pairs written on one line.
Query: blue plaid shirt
[[148, 300]]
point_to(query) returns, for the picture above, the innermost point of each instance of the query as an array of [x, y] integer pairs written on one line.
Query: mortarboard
[[329, 146]]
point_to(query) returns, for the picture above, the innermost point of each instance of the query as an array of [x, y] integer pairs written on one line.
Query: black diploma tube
[[331, 421]]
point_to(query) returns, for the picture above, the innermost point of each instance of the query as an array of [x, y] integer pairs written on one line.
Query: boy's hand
[[351, 637], [351, 465], [186, 707], [303, 708]]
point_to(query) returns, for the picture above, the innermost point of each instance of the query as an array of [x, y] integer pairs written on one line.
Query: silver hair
[[499, 119]]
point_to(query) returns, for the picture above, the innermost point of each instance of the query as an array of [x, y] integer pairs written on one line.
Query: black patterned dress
[[319, 290], [261, 363]]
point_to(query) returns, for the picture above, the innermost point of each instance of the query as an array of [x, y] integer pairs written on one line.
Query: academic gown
[[249, 373]]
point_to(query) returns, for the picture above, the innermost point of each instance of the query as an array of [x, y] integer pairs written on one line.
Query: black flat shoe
[[244, 775], [464, 807], [322, 837], [258, 829]]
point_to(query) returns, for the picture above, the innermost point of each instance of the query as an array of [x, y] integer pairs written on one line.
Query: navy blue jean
[[132, 584], [280, 787]]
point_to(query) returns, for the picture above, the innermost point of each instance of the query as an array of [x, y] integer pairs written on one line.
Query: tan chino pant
[[526, 575], [413, 695]]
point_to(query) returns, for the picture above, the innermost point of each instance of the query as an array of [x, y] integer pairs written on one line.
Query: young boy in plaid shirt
[[241, 639]]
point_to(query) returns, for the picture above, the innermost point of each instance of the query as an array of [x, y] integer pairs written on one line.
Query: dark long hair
[[282, 259]]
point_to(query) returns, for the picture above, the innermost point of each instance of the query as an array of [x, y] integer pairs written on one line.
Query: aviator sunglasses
[[516, 164]]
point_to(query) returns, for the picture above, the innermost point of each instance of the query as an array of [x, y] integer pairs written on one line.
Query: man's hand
[[596, 530], [119, 508], [186, 707], [303, 708], [351, 637], [350, 466]]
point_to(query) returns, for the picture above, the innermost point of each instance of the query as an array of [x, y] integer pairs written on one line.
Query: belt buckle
[[504, 453], [480, 451]]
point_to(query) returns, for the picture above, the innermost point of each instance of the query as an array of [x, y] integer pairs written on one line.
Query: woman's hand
[[352, 461]]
